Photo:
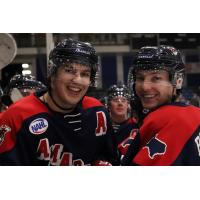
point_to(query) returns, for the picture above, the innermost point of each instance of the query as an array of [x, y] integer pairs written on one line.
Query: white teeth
[[75, 89], [149, 96]]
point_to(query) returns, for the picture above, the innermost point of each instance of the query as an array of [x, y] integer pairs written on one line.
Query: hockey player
[[170, 131], [119, 109], [20, 86], [61, 126]]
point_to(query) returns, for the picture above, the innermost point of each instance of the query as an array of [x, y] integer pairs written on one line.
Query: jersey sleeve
[[166, 137], [13, 150], [9, 126]]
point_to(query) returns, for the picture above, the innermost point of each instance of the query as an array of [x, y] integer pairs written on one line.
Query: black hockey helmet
[[160, 58], [118, 90], [21, 81], [19, 87], [70, 50]]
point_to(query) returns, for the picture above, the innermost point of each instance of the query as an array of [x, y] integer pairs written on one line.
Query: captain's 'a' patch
[[155, 147]]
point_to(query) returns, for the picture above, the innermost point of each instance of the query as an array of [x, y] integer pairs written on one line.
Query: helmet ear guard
[[178, 80]]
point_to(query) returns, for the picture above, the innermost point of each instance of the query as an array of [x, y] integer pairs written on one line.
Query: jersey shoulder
[[174, 113], [166, 136], [170, 118], [90, 102], [24, 108]]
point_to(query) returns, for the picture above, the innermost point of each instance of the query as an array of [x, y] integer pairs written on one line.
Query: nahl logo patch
[[38, 126], [3, 130]]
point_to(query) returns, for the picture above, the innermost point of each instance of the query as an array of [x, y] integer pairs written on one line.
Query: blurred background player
[[118, 104], [20, 86], [60, 126], [169, 130]]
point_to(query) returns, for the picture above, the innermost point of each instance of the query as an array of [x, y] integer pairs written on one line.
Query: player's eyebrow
[[86, 70], [149, 72]]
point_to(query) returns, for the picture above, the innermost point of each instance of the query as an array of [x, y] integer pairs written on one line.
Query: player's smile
[[149, 97], [149, 100], [73, 90]]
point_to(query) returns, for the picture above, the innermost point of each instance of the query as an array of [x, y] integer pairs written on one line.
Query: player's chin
[[75, 99], [149, 105]]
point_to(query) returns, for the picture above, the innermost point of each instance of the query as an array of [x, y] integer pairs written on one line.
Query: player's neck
[[118, 119], [47, 98]]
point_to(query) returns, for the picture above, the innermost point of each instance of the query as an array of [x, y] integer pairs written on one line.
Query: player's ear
[[52, 80], [90, 82]]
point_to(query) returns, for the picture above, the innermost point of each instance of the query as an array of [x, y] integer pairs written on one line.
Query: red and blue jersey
[[124, 134], [33, 134], [170, 135]]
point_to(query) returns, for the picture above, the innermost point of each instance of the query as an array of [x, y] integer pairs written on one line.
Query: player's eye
[[69, 69], [86, 74], [156, 78]]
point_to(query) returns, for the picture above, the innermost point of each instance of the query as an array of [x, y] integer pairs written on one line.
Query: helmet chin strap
[[62, 108]]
